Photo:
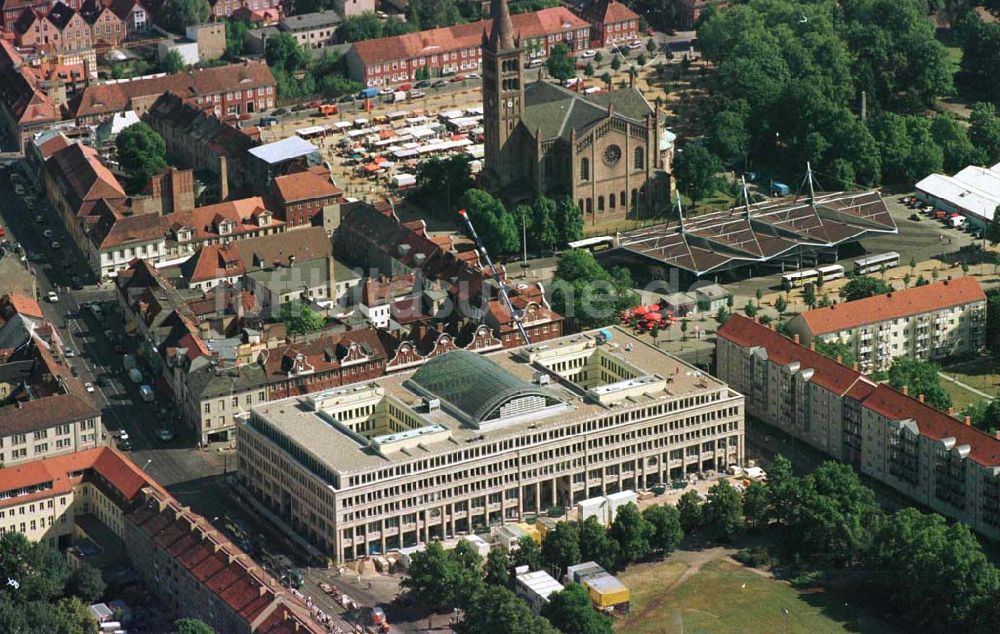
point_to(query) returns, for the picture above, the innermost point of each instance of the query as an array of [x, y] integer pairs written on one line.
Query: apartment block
[[469, 441], [889, 435], [928, 322]]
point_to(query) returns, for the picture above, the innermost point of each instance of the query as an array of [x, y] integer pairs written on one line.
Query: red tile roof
[[104, 99], [828, 373], [935, 424], [83, 176], [214, 261], [17, 304], [436, 41], [904, 303], [307, 185], [615, 12]]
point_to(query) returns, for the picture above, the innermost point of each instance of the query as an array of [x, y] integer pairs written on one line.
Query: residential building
[[116, 237], [302, 280], [457, 49], [60, 29], [313, 31], [928, 322], [301, 196], [231, 89], [197, 138], [132, 14], [44, 410], [599, 149], [792, 387], [225, 8], [539, 321], [106, 28], [24, 108], [470, 441], [325, 362], [193, 569], [889, 435], [611, 23], [76, 182]]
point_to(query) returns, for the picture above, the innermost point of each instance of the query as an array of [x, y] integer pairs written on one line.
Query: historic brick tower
[[503, 95]]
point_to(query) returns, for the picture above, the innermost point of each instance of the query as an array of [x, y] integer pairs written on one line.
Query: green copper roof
[[473, 385]]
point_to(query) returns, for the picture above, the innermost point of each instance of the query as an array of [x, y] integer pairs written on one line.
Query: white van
[[146, 393]]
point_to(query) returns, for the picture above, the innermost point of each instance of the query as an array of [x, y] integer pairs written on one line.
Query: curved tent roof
[[473, 385]]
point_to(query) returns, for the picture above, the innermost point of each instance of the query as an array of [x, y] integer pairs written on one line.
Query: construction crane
[[496, 276]]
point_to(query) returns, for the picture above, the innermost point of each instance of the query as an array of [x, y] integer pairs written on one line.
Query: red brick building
[[229, 89], [301, 196], [540, 322], [106, 28], [456, 49], [611, 22], [225, 8], [60, 30]]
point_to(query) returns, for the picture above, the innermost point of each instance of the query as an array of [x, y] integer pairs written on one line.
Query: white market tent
[[973, 192]]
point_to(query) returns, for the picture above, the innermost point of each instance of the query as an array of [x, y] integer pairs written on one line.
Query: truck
[[327, 109], [398, 96], [955, 220], [368, 93]]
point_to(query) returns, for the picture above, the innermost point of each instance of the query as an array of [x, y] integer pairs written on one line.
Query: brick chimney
[[968, 421], [840, 360], [771, 326], [906, 390], [951, 411], [812, 345], [795, 337], [996, 434], [854, 366], [920, 397]]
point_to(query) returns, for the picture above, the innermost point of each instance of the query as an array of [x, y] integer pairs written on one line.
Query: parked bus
[[875, 263], [798, 278], [595, 244], [831, 272]]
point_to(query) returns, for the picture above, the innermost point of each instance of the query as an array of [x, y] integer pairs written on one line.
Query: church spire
[[502, 31]]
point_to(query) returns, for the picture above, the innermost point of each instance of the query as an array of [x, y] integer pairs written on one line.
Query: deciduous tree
[[561, 548], [177, 15], [141, 152], [723, 510], [689, 509], [665, 523], [570, 611]]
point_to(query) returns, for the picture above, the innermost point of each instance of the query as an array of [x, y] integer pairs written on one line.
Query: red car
[[458, 78]]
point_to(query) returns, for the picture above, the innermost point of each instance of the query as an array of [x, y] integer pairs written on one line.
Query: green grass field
[[724, 597]]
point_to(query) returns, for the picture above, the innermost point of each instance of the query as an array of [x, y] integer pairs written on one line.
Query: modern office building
[[896, 438], [929, 322], [468, 441]]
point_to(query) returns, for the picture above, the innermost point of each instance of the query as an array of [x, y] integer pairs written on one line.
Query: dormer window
[[264, 219], [225, 227]]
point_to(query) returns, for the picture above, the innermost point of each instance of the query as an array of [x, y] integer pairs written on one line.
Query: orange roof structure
[[894, 305]]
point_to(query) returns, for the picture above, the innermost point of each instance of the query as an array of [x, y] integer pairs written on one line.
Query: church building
[[608, 151]]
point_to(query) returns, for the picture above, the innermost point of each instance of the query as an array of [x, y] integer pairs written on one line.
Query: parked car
[[146, 393], [88, 386], [439, 83], [47, 233], [281, 111], [588, 54], [55, 244], [166, 435], [346, 99], [52, 297], [423, 83]]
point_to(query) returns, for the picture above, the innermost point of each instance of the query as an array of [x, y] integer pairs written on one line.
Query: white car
[[588, 54], [68, 353], [89, 386], [121, 434], [166, 435], [19, 189], [473, 76], [47, 233], [55, 244], [52, 297]]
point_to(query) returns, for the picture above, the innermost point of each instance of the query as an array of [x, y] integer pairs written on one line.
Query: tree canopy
[[496, 228], [665, 527], [863, 286], [586, 293], [696, 169], [299, 319], [836, 350], [723, 510], [367, 26], [441, 183], [919, 377], [561, 548], [560, 65], [596, 545], [570, 612], [141, 152], [631, 530], [176, 15], [192, 626], [38, 594]]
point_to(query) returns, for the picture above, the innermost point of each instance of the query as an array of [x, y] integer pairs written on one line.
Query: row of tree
[[931, 574], [790, 78], [587, 294], [459, 578]]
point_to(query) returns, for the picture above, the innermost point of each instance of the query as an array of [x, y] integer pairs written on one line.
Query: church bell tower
[[503, 94]]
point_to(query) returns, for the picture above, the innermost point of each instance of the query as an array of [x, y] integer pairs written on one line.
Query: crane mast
[[496, 276]]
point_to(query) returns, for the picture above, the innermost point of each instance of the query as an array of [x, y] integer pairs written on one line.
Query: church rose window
[[612, 154]]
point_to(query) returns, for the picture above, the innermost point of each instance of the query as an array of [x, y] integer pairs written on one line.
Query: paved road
[[169, 463]]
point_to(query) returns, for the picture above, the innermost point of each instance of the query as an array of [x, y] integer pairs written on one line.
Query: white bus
[[798, 278], [875, 263], [831, 272]]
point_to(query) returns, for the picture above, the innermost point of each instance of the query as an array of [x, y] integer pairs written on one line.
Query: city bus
[[595, 244], [875, 263], [831, 272], [798, 278]]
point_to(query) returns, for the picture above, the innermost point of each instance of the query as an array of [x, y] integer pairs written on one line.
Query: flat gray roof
[[344, 452], [286, 149]]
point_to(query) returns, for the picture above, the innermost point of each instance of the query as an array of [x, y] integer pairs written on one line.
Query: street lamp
[[146, 465]]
